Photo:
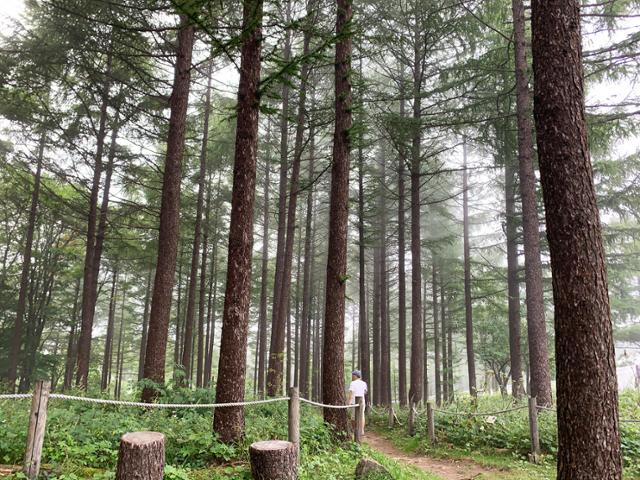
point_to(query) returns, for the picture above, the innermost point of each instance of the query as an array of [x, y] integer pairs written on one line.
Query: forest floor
[[446, 469]]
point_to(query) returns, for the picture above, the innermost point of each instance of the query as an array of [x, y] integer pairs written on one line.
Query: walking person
[[357, 389]]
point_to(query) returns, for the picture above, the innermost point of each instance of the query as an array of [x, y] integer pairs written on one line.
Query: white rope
[[164, 405], [480, 414], [629, 420], [15, 396], [323, 405]]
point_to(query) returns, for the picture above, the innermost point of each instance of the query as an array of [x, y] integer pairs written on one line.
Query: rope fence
[[41, 396]]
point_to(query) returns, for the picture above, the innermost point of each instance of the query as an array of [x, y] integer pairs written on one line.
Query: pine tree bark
[[16, 338], [262, 316], [228, 423], [513, 283], [385, 354], [187, 351], [72, 341], [443, 344], [107, 358], [89, 294], [588, 429], [402, 287], [363, 328], [540, 378], [145, 326], [377, 346], [169, 215], [278, 322], [436, 335], [120, 351], [468, 308], [333, 338], [450, 379], [306, 331]]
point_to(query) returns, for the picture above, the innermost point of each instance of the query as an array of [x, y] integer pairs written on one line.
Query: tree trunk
[[16, 337], [443, 344], [145, 326], [274, 460], [177, 349], [385, 354], [402, 288], [471, 363], [436, 334], [513, 284], [278, 325], [415, 390], [363, 327], [377, 347], [333, 349], [262, 316], [169, 216], [307, 315], [141, 456], [90, 274], [540, 383], [72, 343], [228, 423], [120, 352], [107, 359], [588, 430], [450, 378]]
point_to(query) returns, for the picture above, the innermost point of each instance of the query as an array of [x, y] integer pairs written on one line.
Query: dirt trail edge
[[446, 469]]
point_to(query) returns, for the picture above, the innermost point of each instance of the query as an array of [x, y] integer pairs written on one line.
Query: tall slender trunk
[[145, 325], [72, 342], [363, 328], [443, 344], [333, 337], [296, 336], [540, 383], [90, 274], [169, 216], [228, 423], [177, 349], [262, 316], [377, 347], [120, 352], [513, 284], [187, 351], [425, 387], [415, 390], [307, 315], [468, 313], [436, 334], [588, 426], [16, 338], [402, 288], [385, 354], [450, 379], [107, 358], [278, 325]]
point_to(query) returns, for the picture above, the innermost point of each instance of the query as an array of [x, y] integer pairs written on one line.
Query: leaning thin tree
[[333, 347], [228, 423], [588, 430]]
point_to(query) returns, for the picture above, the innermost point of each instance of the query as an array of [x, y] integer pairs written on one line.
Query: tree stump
[[141, 456], [274, 460]]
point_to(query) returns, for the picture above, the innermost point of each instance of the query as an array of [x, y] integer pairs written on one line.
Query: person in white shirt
[[357, 389]]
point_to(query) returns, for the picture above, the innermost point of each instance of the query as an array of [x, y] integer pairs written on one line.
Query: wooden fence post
[[359, 414], [533, 427], [294, 419], [37, 426], [391, 420], [431, 424]]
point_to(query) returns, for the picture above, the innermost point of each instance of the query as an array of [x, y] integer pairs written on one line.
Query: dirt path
[[446, 469]]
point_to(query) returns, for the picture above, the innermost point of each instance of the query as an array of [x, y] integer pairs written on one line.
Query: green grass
[[82, 441], [504, 443]]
